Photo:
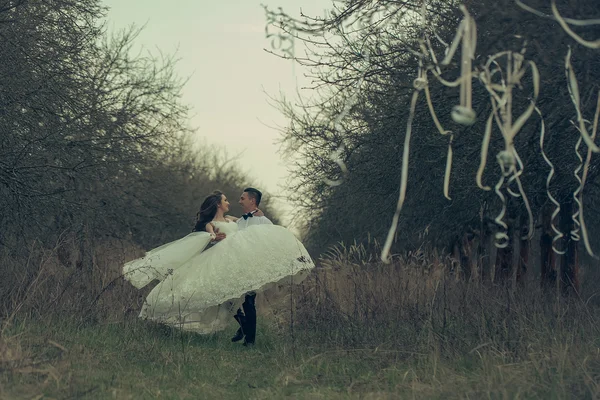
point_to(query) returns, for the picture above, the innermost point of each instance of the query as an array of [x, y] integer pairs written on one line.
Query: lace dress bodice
[[228, 228]]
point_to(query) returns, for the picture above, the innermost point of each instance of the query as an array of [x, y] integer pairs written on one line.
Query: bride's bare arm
[[210, 229]]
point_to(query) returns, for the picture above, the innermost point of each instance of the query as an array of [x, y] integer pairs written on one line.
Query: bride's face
[[224, 204]]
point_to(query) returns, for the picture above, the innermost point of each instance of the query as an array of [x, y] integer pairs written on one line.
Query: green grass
[[139, 360], [136, 360]]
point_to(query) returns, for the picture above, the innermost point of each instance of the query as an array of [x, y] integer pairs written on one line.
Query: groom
[[249, 200]]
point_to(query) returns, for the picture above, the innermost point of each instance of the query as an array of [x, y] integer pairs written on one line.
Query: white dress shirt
[[254, 220]]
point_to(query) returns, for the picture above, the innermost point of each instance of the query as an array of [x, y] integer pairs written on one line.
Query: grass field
[[360, 331], [134, 360], [138, 360]]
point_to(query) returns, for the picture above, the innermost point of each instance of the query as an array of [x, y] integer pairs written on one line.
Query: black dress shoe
[[249, 319], [241, 319], [239, 335]]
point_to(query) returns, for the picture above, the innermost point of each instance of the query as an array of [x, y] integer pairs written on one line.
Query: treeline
[[95, 147], [364, 59]]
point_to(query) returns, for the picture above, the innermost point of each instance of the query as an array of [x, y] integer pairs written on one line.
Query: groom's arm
[[265, 221]]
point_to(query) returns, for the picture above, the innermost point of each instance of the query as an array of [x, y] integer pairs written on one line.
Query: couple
[[201, 285]]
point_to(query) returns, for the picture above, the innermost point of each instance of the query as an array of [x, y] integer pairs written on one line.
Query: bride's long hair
[[208, 210]]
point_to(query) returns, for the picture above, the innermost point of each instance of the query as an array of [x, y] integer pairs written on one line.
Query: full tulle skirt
[[201, 294], [164, 260]]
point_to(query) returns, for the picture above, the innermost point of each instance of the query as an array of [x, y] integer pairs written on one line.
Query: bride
[[201, 285]]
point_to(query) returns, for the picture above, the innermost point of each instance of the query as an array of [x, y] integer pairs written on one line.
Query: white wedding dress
[[200, 288]]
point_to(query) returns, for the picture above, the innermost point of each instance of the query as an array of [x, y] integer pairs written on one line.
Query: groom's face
[[247, 202]]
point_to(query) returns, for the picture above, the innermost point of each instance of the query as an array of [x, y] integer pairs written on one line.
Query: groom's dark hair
[[254, 194]]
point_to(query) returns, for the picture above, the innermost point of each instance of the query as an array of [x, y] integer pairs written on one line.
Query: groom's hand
[[219, 236]]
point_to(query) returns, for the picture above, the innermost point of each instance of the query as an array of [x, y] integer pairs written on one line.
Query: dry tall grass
[[417, 312], [413, 327], [69, 279]]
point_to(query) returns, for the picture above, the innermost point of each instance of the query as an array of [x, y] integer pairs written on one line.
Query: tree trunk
[[570, 260], [455, 251], [504, 258], [547, 255], [466, 262], [524, 245], [570, 270], [481, 249], [492, 251]]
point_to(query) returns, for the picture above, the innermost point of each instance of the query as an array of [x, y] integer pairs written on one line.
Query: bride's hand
[[259, 213]]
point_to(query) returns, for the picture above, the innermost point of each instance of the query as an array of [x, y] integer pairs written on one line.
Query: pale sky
[[220, 46]]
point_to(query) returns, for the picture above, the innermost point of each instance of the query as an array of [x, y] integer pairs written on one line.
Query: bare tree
[[396, 54], [94, 145]]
